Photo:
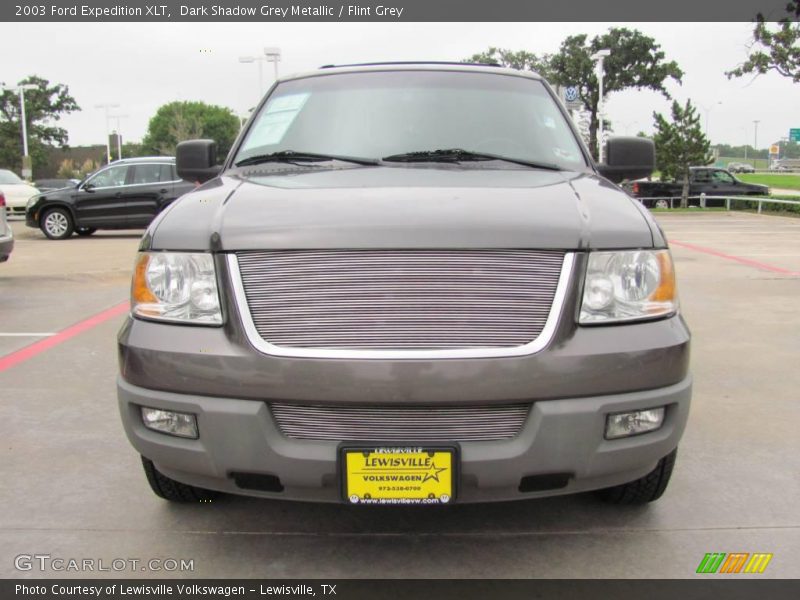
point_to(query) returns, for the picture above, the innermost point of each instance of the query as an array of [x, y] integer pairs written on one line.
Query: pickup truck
[[407, 284], [702, 180]]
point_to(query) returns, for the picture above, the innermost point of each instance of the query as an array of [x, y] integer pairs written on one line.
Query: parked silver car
[[407, 284], [6, 235], [738, 167]]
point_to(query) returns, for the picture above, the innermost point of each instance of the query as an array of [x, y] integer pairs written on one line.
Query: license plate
[[399, 475]]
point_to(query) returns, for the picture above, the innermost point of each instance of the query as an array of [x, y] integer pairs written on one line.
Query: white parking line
[[26, 334]]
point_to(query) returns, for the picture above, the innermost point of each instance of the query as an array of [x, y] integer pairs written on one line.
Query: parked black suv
[[125, 194]]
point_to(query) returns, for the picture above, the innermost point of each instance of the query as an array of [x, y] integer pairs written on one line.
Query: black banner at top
[[389, 10]]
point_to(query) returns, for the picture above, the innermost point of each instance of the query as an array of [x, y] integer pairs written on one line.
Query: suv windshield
[[382, 114]]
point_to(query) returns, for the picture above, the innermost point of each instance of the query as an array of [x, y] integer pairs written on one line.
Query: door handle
[[164, 191]]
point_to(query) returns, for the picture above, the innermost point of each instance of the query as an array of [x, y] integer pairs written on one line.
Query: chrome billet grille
[[399, 299], [402, 424]]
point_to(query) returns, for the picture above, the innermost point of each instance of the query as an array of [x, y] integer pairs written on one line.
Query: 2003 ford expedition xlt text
[[407, 284]]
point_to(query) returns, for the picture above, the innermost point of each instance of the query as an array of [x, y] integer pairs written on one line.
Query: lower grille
[[400, 424]]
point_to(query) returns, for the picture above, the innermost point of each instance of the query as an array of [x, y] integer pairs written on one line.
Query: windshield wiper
[[293, 156], [460, 155]]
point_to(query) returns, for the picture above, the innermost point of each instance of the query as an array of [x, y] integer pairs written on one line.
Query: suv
[[407, 284], [125, 194]]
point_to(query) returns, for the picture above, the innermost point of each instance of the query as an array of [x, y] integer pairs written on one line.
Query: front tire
[[57, 224], [645, 489], [172, 490]]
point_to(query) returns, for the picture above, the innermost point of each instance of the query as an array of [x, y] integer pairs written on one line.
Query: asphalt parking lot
[[72, 487]]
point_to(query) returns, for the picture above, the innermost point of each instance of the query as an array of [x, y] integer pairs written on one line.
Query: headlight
[[31, 201], [176, 286], [627, 286]]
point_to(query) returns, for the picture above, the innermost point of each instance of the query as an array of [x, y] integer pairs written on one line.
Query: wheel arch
[[57, 204]]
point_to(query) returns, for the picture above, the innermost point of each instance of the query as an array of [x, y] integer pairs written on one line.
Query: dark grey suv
[[407, 284]]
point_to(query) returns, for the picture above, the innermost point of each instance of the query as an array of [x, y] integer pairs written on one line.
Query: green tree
[[680, 144], [44, 106], [179, 121], [520, 60], [636, 62], [774, 49]]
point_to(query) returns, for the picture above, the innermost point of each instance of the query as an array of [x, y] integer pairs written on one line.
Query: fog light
[[633, 423], [170, 422]]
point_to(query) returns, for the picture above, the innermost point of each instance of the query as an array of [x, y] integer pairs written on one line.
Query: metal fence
[[671, 201]]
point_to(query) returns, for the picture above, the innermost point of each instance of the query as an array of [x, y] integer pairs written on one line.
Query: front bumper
[[17, 210], [562, 436]]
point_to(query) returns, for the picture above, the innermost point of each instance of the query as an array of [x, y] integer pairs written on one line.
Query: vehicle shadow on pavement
[[578, 513]]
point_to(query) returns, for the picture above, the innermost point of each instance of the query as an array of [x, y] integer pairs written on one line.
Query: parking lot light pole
[[106, 106], [598, 57], [708, 109], [27, 171], [755, 141], [273, 55]]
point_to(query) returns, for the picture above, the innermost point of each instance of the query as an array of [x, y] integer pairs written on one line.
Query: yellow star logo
[[433, 473]]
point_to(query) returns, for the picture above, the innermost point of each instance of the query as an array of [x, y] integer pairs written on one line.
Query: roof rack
[[415, 62]]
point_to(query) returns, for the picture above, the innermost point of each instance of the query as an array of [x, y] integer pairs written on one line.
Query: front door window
[[111, 177]]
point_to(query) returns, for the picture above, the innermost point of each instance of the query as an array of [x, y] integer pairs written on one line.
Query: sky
[[143, 66]]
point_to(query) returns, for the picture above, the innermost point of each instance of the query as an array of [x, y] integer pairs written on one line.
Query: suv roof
[[413, 62], [412, 66], [144, 159]]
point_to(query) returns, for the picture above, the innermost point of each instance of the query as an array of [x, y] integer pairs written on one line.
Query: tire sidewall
[[69, 228]]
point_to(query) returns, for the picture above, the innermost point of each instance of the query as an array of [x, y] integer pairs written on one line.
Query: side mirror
[[88, 187], [628, 158], [196, 160]]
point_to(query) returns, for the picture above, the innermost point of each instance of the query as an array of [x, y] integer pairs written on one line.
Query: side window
[[111, 177], [722, 177], [147, 174], [702, 176], [166, 173]]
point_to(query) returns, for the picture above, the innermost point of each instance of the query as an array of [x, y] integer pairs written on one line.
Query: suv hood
[[403, 207]]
